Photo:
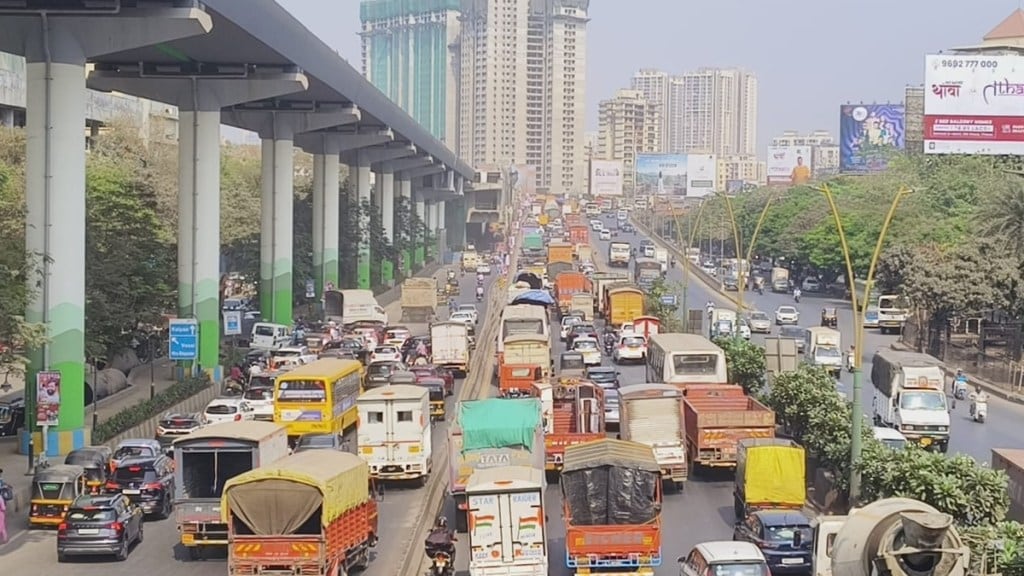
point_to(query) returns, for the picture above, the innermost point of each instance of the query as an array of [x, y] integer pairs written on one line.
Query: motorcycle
[[479, 297], [960, 388], [796, 297], [849, 362], [441, 565], [979, 410], [759, 289]]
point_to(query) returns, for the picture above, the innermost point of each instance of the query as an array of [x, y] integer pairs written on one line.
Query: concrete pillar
[[266, 229], [441, 207], [284, 206], [420, 241], [387, 202], [403, 188], [360, 171], [325, 221]]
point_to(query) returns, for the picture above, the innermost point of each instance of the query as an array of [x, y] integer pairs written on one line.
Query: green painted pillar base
[[406, 263], [266, 298], [363, 273], [283, 298], [419, 255], [208, 318], [387, 273]]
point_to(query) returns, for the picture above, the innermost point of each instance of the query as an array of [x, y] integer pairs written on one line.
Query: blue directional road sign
[[184, 339], [668, 299]]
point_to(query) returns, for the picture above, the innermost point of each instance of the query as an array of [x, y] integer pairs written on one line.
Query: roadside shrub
[[134, 415]]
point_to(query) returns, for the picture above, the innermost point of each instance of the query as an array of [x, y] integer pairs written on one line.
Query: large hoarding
[[869, 134], [606, 177], [701, 175], [974, 104], [661, 174], [789, 165]]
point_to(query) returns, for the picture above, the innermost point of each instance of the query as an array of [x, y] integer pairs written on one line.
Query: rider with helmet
[[441, 539]]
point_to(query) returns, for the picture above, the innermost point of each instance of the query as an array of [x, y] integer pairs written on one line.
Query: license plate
[[89, 531], [926, 441], [791, 561], [131, 492]]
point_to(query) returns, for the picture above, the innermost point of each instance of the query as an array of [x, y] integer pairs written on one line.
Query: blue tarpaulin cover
[[535, 297]]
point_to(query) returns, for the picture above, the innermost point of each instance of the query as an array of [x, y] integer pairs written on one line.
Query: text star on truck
[[488, 434], [910, 397], [311, 513], [507, 533], [394, 433], [652, 414], [205, 460], [717, 417], [606, 530], [823, 347], [449, 346], [573, 413]]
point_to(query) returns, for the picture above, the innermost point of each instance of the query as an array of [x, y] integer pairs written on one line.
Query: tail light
[[112, 486], [116, 527], [153, 487], [62, 528], [238, 417]]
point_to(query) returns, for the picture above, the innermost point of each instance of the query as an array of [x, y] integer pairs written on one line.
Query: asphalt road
[[33, 552]]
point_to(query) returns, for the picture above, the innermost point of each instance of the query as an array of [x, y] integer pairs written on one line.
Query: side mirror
[[798, 538], [681, 559]]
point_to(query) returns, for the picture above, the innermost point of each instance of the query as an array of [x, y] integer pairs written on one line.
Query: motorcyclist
[[479, 278], [851, 355], [479, 292], [609, 341], [960, 384], [796, 294], [441, 539], [759, 286], [979, 396], [710, 308]]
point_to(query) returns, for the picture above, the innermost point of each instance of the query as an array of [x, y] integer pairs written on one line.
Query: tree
[[667, 314], [1001, 216], [746, 363]]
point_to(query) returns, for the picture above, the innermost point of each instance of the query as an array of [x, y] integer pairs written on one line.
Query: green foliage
[[668, 314], [999, 546], [133, 416], [746, 363], [381, 248]]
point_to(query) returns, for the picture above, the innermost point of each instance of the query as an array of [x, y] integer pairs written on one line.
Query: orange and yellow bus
[[319, 397]]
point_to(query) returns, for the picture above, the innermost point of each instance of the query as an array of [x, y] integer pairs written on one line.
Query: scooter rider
[[796, 295], [851, 355], [979, 396], [710, 308], [441, 539], [479, 293]]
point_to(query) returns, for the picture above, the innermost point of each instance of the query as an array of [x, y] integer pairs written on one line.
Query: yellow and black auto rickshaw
[[435, 388], [96, 462], [53, 490]]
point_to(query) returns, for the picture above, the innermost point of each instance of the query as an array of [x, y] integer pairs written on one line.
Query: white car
[[596, 225], [611, 409], [483, 269], [567, 323], [227, 410], [744, 328], [467, 318], [261, 400], [605, 234], [709, 269], [471, 310], [787, 315], [590, 350], [760, 322], [386, 354], [630, 347], [811, 285]]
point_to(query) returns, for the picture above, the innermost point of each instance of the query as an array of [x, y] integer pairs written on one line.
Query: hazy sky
[[810, 56]]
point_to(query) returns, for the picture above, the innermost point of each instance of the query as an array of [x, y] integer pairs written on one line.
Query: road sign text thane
[[184, 340]]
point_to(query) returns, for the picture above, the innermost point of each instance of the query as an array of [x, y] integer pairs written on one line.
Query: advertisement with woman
[[869, 134]]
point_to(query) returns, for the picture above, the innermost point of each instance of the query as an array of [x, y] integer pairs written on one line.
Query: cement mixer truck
[[889, 537]]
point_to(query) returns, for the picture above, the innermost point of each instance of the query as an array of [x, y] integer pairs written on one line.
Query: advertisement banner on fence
[[974, 104], [789, 165], [869, 134], [606, 177]]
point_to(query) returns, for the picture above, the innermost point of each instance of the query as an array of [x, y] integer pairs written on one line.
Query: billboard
[[701, 175], [663, 174], [789, 165], [869, 134], [974, 104], [606, 177]]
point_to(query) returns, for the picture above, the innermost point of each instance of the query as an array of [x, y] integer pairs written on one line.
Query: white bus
[[683, 359]]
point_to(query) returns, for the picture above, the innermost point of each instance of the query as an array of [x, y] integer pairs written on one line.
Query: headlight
[[943, 428], [909, 428]]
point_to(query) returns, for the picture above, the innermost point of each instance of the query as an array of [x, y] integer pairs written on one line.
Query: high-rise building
[[913, 129], [675, 121], [795, 138], [719, 112], [406, 55], [654, 86], [741, 170], [523, 87], [628, 125]]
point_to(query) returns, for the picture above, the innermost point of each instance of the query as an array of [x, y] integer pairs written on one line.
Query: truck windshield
[[694, 363], [828, 352], [740, 569], [923, 401]]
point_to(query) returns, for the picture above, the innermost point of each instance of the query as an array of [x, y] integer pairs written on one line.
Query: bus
[[684, 359], [646, 271], [319, 397]]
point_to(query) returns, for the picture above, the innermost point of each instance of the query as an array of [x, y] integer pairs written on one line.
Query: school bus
[[319, 397]]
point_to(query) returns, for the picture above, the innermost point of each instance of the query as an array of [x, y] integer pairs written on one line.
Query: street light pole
[[694, 226]]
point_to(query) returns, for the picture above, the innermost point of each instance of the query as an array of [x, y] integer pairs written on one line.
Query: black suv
[[148, 482], [99, 525]]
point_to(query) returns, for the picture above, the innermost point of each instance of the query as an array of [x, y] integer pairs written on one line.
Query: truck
[[205, 460], [619, 254], [530, 352], [487, 434], [517, 380], [602, 280], [771, 473], [579, 234], [560, 252], [780, 280], [717, 417], [567, 285], [611, 507], [652, 414], [533, 241], [394, 432], [310, 513], [1011, 461], [584, 253], [892, 314], [910, 397], [661, 255], [573, 413], [449, 346], [507, 535], [823, 347], [419, 299], [582, 303], [555, 268], [623, 303], [470, 260]]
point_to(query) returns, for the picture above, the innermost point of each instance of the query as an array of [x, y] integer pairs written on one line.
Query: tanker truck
[[889, 537]]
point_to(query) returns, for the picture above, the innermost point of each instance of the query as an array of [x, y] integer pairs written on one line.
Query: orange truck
[[579, 234], [568, 284], [560, 252], [606, 530], [310, 513], [717, 417], [517, 380], [574, 413]]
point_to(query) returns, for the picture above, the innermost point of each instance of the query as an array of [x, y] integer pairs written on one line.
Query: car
[[379, 373], [709, 268], [147, 482], [606, 377], [795, 333], [604, 234], [348, 347], [589, 348], [785, 538], [871, 317], [760, 322], [397, 336], [173, 425], [580, 330], [723, 558], [261, 400], [743, 327], [567, 323], [627, 227], [134, 448], [471, 310], [483, 268], [431, 371], [386, 353], [99, 525], [631, 348], [596, 225], [731, 284], [227, 410], [611, 410], [787, 315], [889, 437], [811, 285], [308, 442], [467, 318]]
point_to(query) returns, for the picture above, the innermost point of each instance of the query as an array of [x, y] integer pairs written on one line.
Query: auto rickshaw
[[12, 417], [95, 460], [53, 490], [829, 317], [452, 288], [435, 388]]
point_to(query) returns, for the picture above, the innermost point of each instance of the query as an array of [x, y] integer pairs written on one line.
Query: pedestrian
[[3, 521]]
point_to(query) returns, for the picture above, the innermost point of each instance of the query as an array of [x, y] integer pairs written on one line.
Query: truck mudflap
[[555, 444], [199, 523], [624, 547], [717, 447]]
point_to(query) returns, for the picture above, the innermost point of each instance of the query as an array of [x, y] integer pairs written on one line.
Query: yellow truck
[[770, 473], [560, 252]]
